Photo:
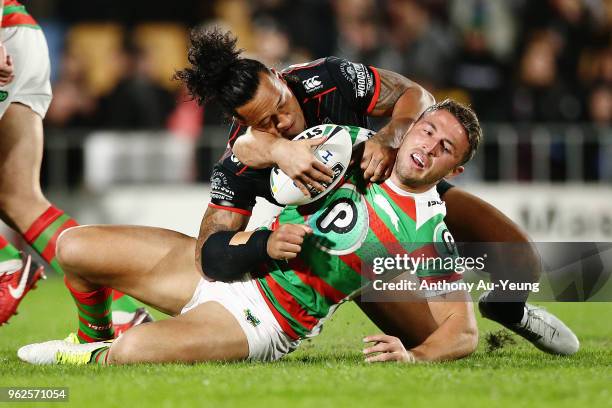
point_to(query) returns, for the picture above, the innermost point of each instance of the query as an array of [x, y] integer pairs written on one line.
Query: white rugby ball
[[335, 153]]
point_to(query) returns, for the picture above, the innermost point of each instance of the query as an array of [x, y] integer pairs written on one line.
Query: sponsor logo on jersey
[[312, 83], [219, 187], [341, 225], [3, 96], [234, 159], [348, 71], [358, 76], [361, 87], [431, 203]]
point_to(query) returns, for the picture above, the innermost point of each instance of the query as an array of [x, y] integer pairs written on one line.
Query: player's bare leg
[[153, 265], [21, 201], [21, 148], [471, 219], [209, 332], [24, 207], [156, 266]]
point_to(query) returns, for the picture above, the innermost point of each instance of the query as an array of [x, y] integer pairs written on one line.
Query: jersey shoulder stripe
[[376, 95]]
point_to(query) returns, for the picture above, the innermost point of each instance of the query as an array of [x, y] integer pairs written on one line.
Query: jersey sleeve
[[359, 84], [231, 192]]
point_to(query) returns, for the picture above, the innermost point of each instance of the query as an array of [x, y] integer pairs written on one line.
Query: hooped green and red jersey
[[352, 225], [15, 14]]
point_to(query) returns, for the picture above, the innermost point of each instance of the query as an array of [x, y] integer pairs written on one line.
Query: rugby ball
[[335, 153]]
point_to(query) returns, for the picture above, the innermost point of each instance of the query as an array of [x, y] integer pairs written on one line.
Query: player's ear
[[455, 172]]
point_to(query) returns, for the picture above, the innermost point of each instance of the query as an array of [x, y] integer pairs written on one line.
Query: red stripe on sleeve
[[376, 91], [232, 209]]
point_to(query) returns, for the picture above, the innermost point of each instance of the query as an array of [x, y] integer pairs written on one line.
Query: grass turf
[[327, 371]]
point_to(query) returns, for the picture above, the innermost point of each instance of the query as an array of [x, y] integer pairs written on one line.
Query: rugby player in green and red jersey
[[304, 270]]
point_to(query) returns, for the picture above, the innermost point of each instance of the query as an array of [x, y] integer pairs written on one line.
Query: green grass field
[[327, 371]]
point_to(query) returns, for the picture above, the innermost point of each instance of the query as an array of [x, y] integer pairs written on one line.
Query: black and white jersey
[[329, 90]]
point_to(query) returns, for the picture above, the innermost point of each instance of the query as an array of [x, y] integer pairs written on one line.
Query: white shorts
[[267, 341], [31, 85]]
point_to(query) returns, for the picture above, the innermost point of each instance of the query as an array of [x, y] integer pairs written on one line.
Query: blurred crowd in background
[[513, 60]]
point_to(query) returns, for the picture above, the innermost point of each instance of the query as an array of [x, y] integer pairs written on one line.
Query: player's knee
[[69, 248]]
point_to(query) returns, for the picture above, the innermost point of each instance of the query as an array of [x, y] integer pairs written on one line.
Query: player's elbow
[[241, 150], [426, 98], [247, 148]]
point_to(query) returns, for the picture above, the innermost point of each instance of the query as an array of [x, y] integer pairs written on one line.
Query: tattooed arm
[[403, 100], [216, 220]]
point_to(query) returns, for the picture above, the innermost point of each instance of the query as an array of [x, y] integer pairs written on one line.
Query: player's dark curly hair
[[218, 73]]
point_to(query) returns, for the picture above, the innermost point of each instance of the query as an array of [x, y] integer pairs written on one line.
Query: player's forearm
[[216, 220], [392, 133], [456, 337], [256, 149], [404, 101]]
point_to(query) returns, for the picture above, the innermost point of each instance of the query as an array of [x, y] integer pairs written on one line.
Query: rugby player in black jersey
[[268, 108]]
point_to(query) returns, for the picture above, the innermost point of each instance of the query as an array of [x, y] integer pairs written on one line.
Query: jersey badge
[[250, 317]]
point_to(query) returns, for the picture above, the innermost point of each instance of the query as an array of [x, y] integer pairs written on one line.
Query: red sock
[[95, 316]]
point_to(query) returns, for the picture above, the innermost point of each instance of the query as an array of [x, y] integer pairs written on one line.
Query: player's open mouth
[[419, 160]]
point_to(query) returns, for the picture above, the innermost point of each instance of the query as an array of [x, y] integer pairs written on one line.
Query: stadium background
[[125, 145]]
